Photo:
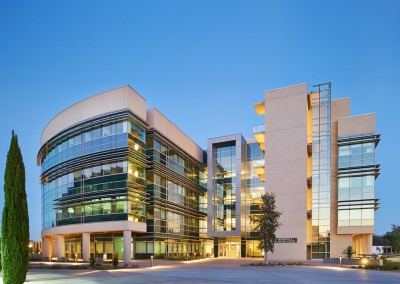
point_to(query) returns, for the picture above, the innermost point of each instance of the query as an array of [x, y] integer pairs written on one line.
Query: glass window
[[343, 182], [344, 151], [356, 149], [368, 180], [96, 171], [356, 181], [368, 148], [106, 169], [88, 136], [88, 173], [96, 133]]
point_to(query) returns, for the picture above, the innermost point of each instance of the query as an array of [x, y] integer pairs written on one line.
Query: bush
[[348, 251], [391, 266], [372, 266], [115, 260], [92, 261]]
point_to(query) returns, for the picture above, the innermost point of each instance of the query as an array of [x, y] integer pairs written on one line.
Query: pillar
[[368, 244], [127, 246], [60, 246], [86, 247], [46, 247]]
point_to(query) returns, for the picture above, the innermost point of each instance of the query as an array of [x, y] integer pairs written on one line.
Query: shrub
[[115, 260], [348, 251], [391, 266], [372, 266], [92, 261]]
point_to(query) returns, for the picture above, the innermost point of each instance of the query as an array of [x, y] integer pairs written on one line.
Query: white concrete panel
[[109, 101], [286, 165], [60, 246], [109, 226], [353, 125], [127, 246], [158, 121], [85, 246]]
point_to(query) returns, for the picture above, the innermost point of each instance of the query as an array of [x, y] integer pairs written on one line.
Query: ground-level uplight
[[364, 261]]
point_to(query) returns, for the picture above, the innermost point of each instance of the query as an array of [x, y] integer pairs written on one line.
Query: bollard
[[340, 260], [187, 257], [152, 261]]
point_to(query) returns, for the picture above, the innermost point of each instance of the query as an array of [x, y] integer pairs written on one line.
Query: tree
[[393, 237], [348, 251], [379, 240], [15, 223], [266, 223]]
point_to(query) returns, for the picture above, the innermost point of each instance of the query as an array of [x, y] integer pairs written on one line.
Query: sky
[[201, 63]]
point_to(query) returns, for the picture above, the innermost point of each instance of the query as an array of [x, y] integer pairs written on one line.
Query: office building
[[120, 178]]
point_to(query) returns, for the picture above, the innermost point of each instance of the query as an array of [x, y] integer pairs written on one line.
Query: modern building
[[120, 178], [320, 163]]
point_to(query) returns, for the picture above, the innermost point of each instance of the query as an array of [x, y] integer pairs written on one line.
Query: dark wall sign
[[286, 240]]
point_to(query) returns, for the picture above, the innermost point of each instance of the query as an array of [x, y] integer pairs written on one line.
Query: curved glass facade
[[95, 172]]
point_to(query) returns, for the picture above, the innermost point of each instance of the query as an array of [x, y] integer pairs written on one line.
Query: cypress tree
[[15, 223]]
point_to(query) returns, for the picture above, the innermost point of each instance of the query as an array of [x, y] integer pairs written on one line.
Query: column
[[358, 247], [46, 247], [368, 244], [127, 246], [60, 246], [85, 247]]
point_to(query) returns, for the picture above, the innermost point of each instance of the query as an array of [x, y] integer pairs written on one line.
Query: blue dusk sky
[[202, 63]]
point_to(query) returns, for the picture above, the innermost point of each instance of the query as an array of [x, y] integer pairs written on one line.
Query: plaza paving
[[214, 271]]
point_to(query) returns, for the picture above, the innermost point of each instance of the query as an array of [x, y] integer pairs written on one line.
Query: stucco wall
[[286, 165]]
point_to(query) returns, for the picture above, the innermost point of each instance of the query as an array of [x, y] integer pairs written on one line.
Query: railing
[[259, 128]]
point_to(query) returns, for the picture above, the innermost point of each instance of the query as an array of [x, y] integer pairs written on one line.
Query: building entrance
[[229, 247]]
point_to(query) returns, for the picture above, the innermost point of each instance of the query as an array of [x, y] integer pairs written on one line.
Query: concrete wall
[[157, 120], [286, 165], [113, 100], [354, 125]]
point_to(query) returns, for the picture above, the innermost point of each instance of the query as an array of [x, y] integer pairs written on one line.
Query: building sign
[[286, 240]]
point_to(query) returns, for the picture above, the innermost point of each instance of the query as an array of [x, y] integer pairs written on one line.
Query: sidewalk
[[205, 263]]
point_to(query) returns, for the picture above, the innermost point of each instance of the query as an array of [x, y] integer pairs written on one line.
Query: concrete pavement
[[214, 271]]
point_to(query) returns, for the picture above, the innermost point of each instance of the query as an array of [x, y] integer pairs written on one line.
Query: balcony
[[260, 108], [259, 135], [259, 168]]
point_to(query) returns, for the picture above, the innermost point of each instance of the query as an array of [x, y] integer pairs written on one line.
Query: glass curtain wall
[[176, 217], [321, 170], [356, 181], [91, 190], [255, 187], [224, 199]]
